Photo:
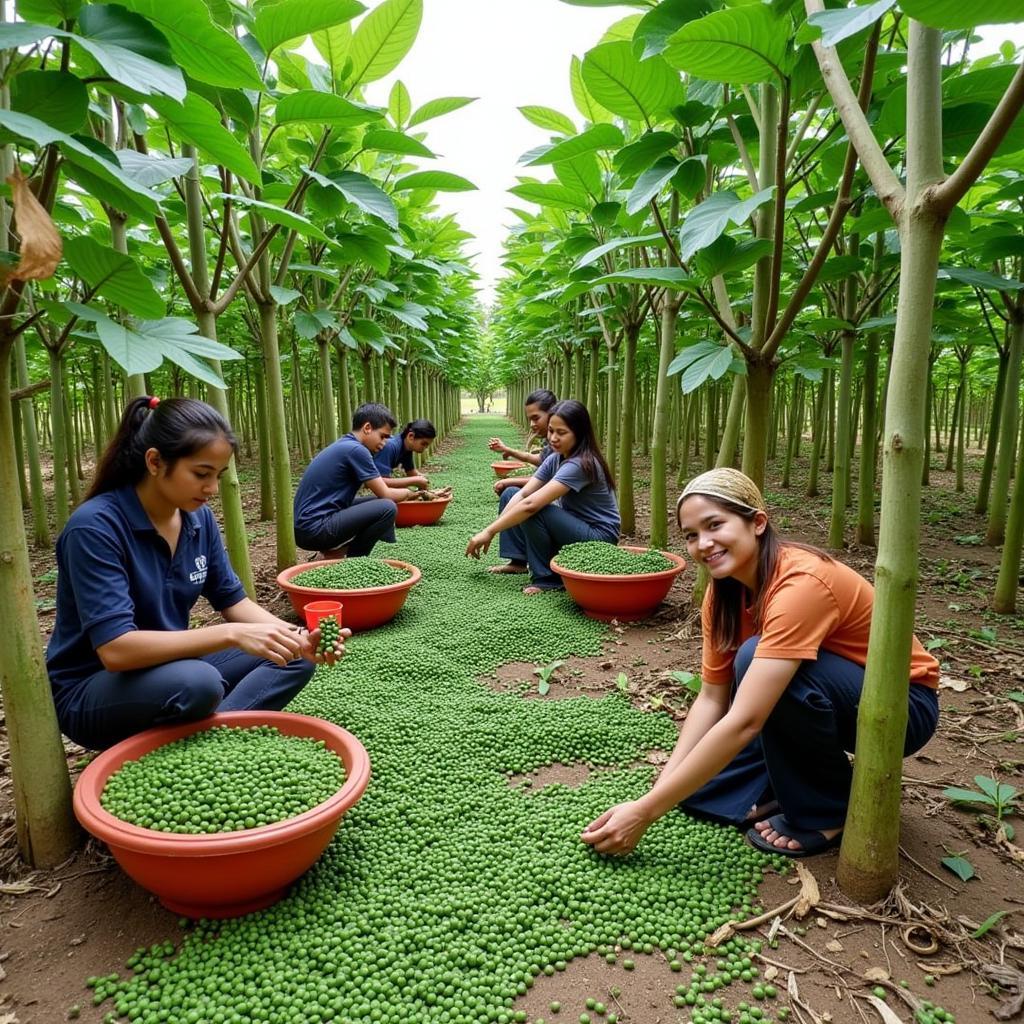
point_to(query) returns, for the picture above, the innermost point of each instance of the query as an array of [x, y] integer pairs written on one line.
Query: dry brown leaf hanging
[[41, 245]]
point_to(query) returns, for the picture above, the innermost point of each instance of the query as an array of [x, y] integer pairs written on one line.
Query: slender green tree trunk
[[40, 527], [991, 442], [46, 829], [953, 426], [611, 437], [266, 454], [19, 459], [1004, 600], [346, 391], [820, 429], [58, 436], [592, 368], [733, 422], [760, 377], [868, 447], [625, 474], [1007, 437], [961, 439], [662, 401], [841, 473], [71, 433], [284, 518]]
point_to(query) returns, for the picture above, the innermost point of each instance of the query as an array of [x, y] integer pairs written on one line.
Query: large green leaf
[[399, 104], [130, 50], [956, 14], [832, 27], [49, 11], [198, 121], [311, 107], [668, 17], [979, 279], [276, 215], [383, 140], [552, 194], [673, 278], [650, 183], [151, 170], [333, 45], [383, 38], [108, 171], [617, 243], [709, 220], [114, 275], [600, 136], [291, 19], [639, 155], [585, 102], [439, 107], [56, 97], [582, 174], [634, 89], [548, 119], [741, 45], [439, 181], [362, 192], [700, 362], [202, 49]]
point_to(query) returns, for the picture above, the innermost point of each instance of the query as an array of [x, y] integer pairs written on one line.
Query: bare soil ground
[[85, 918]]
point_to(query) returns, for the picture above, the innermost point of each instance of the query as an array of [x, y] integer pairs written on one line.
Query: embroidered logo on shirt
[[199, 576]]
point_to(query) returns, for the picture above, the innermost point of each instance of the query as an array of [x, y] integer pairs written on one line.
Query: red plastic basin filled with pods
[[362, 609], [625, 597], [506, 466], [421, 513], [225, 874]]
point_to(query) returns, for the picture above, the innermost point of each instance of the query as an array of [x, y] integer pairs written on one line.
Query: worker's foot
[[508, 569], [531, 591], [777, 835]]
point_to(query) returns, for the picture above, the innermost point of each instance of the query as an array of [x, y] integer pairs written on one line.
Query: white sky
[[510, 54]]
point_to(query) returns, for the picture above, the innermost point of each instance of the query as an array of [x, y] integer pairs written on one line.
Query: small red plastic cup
[[317, 610]]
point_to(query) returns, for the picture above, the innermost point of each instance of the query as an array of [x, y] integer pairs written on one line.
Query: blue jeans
[[366, 521], [107, 707], [511, 542], [800, 757], [546, 532]]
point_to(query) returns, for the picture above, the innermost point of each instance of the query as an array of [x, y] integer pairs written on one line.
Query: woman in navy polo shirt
[[413, 438], [133, 559], [575, 476]]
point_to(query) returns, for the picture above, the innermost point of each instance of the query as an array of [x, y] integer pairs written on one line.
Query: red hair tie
[[154, 402]]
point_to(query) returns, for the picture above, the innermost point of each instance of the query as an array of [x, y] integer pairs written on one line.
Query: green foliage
[[222, 780], [960, 866], [383, 38], [634, 89], [544, 674], [997, 797]]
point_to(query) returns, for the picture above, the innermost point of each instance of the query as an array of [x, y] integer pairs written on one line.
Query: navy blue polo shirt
[[394, 453], [332, 480], [116, 574]]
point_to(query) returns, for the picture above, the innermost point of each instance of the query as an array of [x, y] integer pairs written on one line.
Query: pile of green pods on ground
[[447, 889]]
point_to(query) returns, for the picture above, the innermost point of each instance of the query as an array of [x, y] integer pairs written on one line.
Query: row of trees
[[201, 194], [736, 240]]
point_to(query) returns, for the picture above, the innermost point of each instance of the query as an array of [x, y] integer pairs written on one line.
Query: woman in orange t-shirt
[[787, 626]]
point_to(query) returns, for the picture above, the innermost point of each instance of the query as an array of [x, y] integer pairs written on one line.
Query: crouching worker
[[785, 641], [577, 477], [132, 560], [413, 439], [328, 515]]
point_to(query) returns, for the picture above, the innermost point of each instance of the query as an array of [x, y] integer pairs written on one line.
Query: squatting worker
[[132, 560], [576, 476], [512, 543], [413, 439], [787, 626], [328, 515]]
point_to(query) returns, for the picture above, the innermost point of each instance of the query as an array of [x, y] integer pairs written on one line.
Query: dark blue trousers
[[107, 707], [546, 532], [511, 542], [800, 757], [366, 521]]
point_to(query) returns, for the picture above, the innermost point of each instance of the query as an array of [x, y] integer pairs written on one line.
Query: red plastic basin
[[622, 597], [229, 873], [364, 609], [506, 466], [421, 513]]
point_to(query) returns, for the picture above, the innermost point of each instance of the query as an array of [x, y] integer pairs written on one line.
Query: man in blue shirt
[[328, 515], [512, 543]]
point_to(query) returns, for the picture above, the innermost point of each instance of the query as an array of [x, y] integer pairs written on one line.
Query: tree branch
[[862, 138], [945, 196]]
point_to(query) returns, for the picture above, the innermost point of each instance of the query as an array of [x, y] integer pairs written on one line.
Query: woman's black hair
[[542, 397], [587, 449], [375, 414], [419, 429], [729, 596], [176, 428]]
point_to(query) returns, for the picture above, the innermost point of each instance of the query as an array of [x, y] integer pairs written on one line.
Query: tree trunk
[[733, 420], [659, 442], [40, 527], [841, 472], [1004, 600], [1007, 436], [625, 475], [868, 446], [58, 433]]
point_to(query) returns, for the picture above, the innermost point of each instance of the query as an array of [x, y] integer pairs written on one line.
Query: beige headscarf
[[727, 483]]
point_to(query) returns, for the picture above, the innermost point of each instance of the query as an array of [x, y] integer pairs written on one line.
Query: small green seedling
[[996, 797], [545, 673], [959, 865], [990, 922], [688, 681], [622, 683]]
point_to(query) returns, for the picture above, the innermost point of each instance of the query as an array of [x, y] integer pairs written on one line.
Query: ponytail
[[419, 429], [176, 428]]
